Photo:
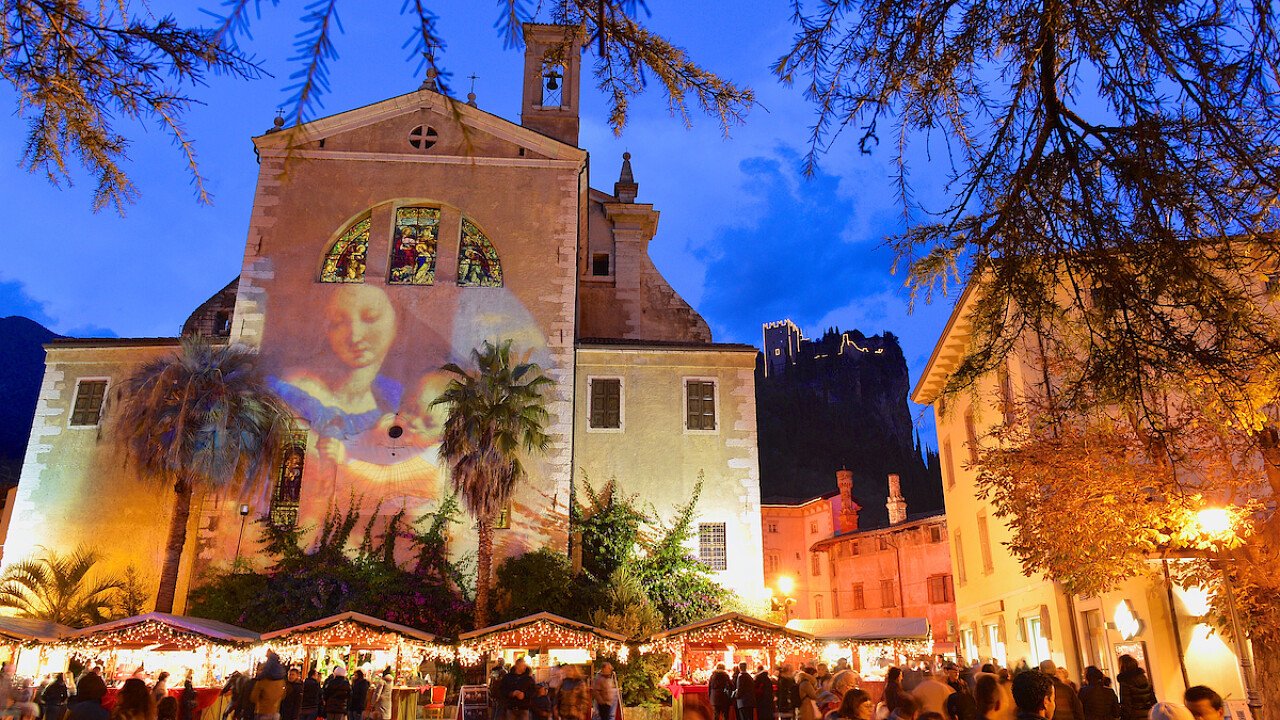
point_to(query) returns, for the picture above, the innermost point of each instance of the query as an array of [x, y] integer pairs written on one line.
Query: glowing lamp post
[[1216, 527]]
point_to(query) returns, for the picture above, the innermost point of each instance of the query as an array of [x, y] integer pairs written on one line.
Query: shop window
[[86, 411], [995, 640], [700, 405], [600, 264], [858, 597], [888, 594], [940, 590], [345, 260], [606, 403], [478, 262], [413, 246], [711, 546]]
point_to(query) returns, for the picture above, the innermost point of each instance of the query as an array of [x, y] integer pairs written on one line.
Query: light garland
[[145, 634], [734, 632], [538, 634]]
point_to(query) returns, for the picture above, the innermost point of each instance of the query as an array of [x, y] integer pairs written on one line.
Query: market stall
[[356, 640], [544, 640], [730, 639], [145, 645], [872, 645], [27, 644]]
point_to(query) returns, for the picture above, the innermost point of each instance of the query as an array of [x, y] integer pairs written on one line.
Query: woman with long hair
[[856, 705], [134, 702]]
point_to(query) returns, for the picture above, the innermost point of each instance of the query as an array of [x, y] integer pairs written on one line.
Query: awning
[[733, 629], [543, 630], [337, 630], [162, 631], [865, 629], [20, 630]]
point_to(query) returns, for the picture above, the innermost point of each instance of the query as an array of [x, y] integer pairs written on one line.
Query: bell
[[551, 80]]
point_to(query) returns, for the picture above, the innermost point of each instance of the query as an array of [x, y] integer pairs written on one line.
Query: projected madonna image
[[369, 361]]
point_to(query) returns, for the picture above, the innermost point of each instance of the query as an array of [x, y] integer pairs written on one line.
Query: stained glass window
[[288, 487], [478, 263], [413, 247], [344, 263]]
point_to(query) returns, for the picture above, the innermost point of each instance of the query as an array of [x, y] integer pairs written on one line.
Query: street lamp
[[1217, 527], [244, 514], [786, 584]]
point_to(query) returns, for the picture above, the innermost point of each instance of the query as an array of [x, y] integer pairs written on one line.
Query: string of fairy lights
[[538, 634]]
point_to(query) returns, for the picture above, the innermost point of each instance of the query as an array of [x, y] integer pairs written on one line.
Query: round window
[[423, 137]]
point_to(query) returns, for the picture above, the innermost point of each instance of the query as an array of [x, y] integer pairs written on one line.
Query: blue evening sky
[[744, 236]]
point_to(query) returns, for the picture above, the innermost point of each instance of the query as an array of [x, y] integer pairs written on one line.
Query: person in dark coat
[[893, 688], [189, 702], [1066, 701], [359, 696], [292, 702], [1098, 701], [517, 690], [337, 694], [1136, 695], [787, 693], [720, 692], [90, 690], [765, 700], [309, 703], [53, 699], [744, 694]]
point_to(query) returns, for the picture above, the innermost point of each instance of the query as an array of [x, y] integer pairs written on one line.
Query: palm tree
[[495, 414], [203, 418], [57, 588]]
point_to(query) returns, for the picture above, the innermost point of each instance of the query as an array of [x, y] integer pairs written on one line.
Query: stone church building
[[385, 242]]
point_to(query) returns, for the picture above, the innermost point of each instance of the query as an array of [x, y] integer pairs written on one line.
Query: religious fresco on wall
[[344, 263], [413, 246], [478, 264]]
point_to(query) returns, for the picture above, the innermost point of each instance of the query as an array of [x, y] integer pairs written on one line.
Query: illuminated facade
[[816, 554], [405, 234], [1008, 616]]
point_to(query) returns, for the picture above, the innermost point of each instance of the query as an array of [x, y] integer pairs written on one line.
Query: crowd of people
[[948, 691], [567, 694]]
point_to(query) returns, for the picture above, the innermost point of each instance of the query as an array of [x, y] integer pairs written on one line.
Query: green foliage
[[609, 524], [639, 677], [679, 584], [60, 588], [533, 582], [624, 606], [338, 573], [134, 597]]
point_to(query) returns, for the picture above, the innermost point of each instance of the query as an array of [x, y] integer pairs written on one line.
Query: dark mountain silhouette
[[840, 402], [21, 372]]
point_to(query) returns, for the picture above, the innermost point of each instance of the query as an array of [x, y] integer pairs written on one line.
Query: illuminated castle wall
[[385, 242]]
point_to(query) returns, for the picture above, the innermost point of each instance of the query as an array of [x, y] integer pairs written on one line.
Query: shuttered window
[[701, 405], [606, 403], [90, 395]]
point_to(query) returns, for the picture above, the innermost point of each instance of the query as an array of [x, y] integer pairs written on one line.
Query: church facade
[[385, 242]]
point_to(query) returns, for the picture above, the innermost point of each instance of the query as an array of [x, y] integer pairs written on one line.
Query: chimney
[[552, 63], [896, 504], [848, 506]]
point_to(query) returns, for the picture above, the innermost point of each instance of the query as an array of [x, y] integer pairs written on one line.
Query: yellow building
[[384, 242], [1008, 616]]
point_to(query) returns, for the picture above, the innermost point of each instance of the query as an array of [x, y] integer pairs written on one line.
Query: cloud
[[92, 331], [14, 300]]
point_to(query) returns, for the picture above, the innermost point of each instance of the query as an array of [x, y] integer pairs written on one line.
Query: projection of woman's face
[[361, 326]]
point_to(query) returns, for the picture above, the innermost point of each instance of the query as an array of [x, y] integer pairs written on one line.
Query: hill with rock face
[[21, 372], [840, 401]]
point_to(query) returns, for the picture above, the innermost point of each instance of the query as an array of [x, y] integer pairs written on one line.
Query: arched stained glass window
[[478, 263], [413, 247], [344, 263]]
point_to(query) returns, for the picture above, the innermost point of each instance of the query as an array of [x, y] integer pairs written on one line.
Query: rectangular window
[[90, 396], [882, 544], [971, 435], [1036, 641], [853, 548], [600, 264], [606, 403], [984, 544], [711, 546], [859, 597], [700, 398], [222, 323], [960, 558], [773, 527], [888, 594], [771, 563], [935, 533], [835, 603], [817, 607], [817, 565], [940, 590], [948, 464], [813, 527]]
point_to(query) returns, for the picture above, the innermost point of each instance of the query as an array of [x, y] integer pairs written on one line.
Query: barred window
[[711, 546], [700, 405], [90, 396], [606, 403]]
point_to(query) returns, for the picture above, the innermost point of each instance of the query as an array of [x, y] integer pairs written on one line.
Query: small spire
[[278, 123], [626, 188], [430, 82]]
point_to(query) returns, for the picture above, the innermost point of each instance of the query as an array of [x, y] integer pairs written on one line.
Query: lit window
[[478, 263], [413, 246], [344, 262], [87, 409], [859, 597], [600, 264], [940, 590], [984, 544], [777, 351], [888, 594], [711, 546], [606, 403], [700, 405], [288, 487]]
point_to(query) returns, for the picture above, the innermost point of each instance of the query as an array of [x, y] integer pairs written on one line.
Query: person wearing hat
[[337, 693]]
